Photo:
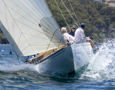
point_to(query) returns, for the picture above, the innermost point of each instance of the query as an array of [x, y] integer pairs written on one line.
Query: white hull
[[59, 63]]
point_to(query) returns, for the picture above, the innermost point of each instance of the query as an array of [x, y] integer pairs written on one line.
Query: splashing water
[[102, 64], [13, 65]]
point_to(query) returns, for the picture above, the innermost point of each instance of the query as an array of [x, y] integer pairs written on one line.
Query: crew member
[[73, 29], [68, 38]]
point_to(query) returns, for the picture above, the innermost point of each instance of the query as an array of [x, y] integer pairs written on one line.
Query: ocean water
[[99, 75]]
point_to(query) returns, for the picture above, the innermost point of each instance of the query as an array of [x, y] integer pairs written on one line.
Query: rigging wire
[[51, 40], [74, 12], [62, 15], [69, 12]]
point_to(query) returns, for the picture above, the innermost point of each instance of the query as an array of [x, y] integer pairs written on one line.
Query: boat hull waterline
[[60, 63], [66, 61]]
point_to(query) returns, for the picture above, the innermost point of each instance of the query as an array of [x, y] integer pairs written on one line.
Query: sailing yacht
[[31, 30]]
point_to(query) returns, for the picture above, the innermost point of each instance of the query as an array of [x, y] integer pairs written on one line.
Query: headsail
[[29, 26]]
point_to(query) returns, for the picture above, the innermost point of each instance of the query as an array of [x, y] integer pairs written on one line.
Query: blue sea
[[98, 75]]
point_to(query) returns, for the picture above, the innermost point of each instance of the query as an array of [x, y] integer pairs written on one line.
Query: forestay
[[29, 26]]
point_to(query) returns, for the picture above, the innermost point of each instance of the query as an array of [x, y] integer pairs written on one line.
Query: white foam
[[99, 66]]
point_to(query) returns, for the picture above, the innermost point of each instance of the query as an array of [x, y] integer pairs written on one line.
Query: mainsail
[[29, 26]]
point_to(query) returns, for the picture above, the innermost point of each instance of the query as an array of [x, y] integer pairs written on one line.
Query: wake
[[14, 68]]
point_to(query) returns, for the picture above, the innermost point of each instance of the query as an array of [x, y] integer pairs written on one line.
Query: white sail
[[29, 26]]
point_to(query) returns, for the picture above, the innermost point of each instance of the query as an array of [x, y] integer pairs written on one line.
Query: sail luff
[[30, 26]]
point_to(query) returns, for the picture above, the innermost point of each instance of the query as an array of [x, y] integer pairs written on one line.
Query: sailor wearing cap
[[73, 29]]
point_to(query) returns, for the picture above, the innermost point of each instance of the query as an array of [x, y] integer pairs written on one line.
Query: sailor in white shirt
[[79, 34], [67, 37]]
